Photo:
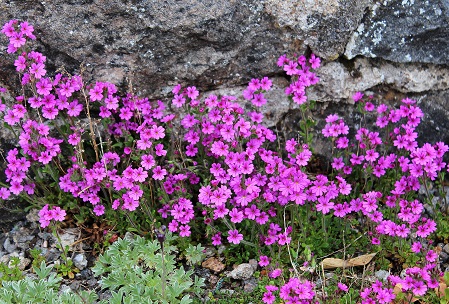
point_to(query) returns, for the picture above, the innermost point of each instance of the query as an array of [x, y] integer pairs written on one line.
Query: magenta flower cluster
[[208, 162]]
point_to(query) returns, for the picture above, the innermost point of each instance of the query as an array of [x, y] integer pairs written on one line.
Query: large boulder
[[152, 44], [404, 31]]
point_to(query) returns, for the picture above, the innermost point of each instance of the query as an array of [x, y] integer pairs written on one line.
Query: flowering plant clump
[[209, 167]]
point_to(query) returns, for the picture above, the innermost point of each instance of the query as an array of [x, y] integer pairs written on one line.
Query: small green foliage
[[36, 255], [194, 254], [67, 269], [141, 271], [239, 254], [236, 294], [443, 226], [43, 289], [10, 272]]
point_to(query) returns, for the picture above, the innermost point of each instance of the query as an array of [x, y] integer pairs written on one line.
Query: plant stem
[[163, 272], [323, 223]]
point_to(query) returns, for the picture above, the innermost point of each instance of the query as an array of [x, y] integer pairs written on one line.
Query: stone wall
[[393, 46]]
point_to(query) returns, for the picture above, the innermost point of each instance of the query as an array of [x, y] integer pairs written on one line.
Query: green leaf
[[194, 254]]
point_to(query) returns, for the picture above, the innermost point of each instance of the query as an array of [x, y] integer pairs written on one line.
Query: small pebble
[[242, 272], [382, 275], [80, 261]]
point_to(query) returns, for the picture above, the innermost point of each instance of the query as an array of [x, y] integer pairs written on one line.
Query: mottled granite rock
[[404, 31]]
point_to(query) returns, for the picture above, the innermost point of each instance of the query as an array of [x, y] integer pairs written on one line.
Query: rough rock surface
[[152, 44], [155, 43], [323, 25], [242, 272], [404, 31]]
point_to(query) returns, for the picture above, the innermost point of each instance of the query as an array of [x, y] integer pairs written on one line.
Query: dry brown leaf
[[332, 263], [362, 260], [440, 290]]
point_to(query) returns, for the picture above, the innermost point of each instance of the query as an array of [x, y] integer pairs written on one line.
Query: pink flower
[[178, 101], [234, 236], [27, 29], [375, 241], [419, 288], [264, 261], [265, 84], [236, 215], [258, 100], [192, 92], [159, 173], [74, 108], [416, 247], [44, 86], [324, 205], [97, 92], [176, 89], [431, 256], [147, 161], [99, 210], [17, 40], [216, 239], [357, 96], [58, 214], [314, 61], [342, 287], [20, 64], [4, 193], [275, 273], [184, 230], [37, 69], [268, 297], [283, 239]]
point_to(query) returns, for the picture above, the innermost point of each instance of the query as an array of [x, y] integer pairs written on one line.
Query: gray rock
[[250, 285], [209, 251], [382, 275], [33, 215], [253, 263], [198, 42], [404, 31], [22, 237], [64, 288], [446, 248], [324, 25], [68, 237], [444, 257], [129, 236], [23, 261], [80, 261], [221, 249], [92, 282], [168, 41], [9, 246], [75, 285], [227, 291], [242, 272], [4, 259], [338, 81], [52, 255]]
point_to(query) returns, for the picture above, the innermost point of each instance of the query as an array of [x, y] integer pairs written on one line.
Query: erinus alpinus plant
[[208, 171]]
